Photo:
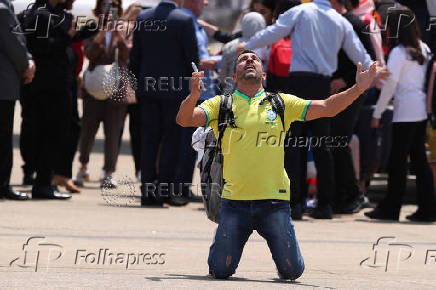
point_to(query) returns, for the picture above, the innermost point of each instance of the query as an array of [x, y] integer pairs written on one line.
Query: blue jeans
[[272, 220]]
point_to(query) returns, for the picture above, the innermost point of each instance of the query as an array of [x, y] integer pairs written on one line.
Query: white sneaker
[[81, 177], [102, 175]]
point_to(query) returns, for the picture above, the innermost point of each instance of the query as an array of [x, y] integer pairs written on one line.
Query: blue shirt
[[318, 32], [203, 53]]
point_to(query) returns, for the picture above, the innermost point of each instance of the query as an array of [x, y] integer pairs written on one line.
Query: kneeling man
[[256, 194]]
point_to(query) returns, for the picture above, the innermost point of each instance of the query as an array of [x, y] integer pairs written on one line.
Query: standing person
[[349, 196], [16, 65], [281, 53], [100, 50], [63, 174], [50, 93], [255, 195], [317, 32], [407, 63], [134, 110], [251, 23], [161, 61], [186, 158]]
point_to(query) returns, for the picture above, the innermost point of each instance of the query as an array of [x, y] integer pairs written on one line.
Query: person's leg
[[151, 135], [113, 123], [402, 138], [273, 222], [347, 185], [6, 130], [135, 134], [295, 165], [425, 192], [323, 158], [92, 112], [234, 229], [27, 134], [171, 141]]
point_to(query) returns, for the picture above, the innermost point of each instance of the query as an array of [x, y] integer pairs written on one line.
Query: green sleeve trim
[[303, 115], [207, 116]]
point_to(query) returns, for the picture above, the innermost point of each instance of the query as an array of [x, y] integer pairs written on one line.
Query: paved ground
[[87, 241]]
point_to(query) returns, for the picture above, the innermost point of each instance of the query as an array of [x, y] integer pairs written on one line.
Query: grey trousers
[[112, 115]]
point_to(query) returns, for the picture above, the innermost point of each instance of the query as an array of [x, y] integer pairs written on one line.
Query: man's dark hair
[[342, 2]]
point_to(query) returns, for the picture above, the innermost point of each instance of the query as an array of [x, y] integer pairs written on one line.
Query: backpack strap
[[225, 116], [277, 104]]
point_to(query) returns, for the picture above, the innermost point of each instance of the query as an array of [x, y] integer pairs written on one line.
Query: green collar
[[247, 97]]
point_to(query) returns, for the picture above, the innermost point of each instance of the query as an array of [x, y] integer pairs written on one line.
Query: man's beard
[[252, 77]]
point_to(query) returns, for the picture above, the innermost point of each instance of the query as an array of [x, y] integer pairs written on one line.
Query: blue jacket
[[164, 45]]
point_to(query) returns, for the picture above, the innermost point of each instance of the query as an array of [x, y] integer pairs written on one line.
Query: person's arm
[[273, 33], [353, 47], [430, 90], [189, 115], [339, 102], [190, 45], [396, 60], [13, 44]]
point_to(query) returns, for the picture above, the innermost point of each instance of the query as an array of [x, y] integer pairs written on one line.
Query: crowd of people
[[310, 50]]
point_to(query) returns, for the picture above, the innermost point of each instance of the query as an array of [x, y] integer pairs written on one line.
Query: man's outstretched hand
[[364, 79]]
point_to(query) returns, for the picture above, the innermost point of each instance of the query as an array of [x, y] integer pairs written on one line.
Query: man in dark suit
[[16, 64], [164, 45]]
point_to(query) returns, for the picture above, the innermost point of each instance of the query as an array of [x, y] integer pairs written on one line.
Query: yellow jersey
[[253, 167]]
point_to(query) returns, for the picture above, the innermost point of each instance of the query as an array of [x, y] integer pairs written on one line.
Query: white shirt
[[406, 83]]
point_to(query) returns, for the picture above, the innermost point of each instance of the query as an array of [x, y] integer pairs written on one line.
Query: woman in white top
[[407, 64]]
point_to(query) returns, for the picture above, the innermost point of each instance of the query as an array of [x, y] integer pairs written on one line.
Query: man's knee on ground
[[222, 272], [291, 272]]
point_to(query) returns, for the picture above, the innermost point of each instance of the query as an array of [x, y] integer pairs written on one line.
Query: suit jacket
[[164, 45], [13, 53]]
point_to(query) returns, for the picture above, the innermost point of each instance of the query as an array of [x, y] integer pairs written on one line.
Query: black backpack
[[211, 166]]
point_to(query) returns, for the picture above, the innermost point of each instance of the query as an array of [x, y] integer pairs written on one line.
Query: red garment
[[78, 49], [280, 58]]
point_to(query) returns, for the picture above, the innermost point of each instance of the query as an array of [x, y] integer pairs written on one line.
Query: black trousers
[[347, 184], [408, 139], [27, 133], [51, 112], [310, 86], [65, 165], [160, 140], [6, 129], [134, 112]]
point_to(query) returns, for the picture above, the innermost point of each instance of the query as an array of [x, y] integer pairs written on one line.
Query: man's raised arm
[[339, 102], [189, 115]]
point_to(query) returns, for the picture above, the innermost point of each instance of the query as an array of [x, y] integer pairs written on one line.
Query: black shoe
[[353, 207], [28, 179], [150, 202], [48, 192], [297, 212], [381, 214], [322, 212], [12, 194], [366, 203], [419, 216], [177, 201]]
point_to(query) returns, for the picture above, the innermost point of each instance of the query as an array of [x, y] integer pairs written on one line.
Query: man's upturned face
[[249, 68]]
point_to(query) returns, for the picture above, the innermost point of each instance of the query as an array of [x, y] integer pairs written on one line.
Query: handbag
[[103, 81]]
